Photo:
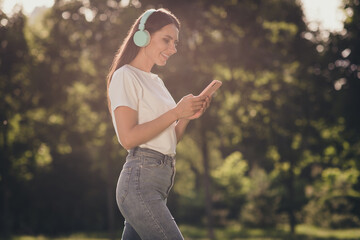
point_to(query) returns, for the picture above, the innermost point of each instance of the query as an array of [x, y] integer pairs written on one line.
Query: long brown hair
[[128, 50]]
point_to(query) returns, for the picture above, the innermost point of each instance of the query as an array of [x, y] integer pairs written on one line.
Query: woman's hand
[[198, 114], [190, 105]]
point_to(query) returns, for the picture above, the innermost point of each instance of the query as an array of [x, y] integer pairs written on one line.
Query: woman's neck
[[142, 62]]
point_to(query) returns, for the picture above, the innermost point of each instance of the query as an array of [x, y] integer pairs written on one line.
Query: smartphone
[[211, 88], [208, 91]]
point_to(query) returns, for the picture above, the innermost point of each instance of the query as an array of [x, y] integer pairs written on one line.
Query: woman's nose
[[173, 48]]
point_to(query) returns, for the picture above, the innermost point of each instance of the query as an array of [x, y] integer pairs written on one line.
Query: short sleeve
[[124, 90]]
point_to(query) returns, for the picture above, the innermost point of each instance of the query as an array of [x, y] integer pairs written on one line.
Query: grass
[[231, 232], [303, 232], [329, 233]]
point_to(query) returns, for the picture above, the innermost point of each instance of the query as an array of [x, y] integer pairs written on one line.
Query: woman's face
[[162, 45]]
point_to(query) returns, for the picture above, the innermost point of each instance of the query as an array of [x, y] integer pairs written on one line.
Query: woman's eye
[[166, 40]]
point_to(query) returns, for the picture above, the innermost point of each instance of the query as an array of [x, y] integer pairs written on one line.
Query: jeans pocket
[[122, 188], [153, 162]]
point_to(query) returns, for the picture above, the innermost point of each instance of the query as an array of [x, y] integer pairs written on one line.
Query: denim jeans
[[142, 189]]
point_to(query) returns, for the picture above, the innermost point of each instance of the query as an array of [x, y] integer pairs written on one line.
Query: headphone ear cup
[[142, 38]]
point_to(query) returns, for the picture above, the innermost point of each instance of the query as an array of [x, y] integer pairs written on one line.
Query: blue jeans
[[142, 189]]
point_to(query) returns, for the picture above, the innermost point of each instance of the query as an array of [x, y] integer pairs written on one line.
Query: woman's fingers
[[199, 109], [198, 101], [191, 105], [201, 103], [206, 103]]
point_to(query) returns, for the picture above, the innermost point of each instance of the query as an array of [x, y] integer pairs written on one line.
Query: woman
[[148, 123]]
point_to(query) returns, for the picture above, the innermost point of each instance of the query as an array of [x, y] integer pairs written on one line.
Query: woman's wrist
[[184, 120], [175, 114]]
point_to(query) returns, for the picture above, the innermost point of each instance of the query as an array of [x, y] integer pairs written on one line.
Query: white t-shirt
[[145, 93]]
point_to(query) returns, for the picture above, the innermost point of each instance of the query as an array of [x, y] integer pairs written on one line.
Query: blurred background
[[275, 157]]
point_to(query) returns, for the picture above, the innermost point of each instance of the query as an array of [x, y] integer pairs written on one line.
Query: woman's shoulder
[[124, 77], [123, 71]]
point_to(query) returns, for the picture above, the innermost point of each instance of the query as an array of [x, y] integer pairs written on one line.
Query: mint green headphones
[[142, 36]]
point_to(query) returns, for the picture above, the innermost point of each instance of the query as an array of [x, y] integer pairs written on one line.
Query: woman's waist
[[148, 152]]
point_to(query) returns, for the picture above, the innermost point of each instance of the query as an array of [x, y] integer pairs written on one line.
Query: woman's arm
[[180, 128], [132, 134]]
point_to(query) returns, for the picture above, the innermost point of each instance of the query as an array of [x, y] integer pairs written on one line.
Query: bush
[[262, 202], [330, 200]]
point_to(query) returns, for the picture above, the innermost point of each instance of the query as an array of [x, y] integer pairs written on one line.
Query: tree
[[339, 129], [18, 153]]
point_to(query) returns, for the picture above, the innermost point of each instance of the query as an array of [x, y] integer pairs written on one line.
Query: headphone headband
[[144, 18]]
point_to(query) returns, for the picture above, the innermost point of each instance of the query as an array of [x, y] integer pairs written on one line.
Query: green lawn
[[303, 232], [232, 232]]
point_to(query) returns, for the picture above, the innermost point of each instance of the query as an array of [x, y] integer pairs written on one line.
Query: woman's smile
[[165, 56]]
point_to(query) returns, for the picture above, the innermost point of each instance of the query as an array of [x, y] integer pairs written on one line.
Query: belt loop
[[133, 151], [172, 161]]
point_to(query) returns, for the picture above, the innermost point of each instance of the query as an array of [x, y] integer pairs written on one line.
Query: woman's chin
[[161, 63]]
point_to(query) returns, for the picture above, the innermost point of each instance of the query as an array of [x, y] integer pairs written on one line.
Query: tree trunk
[[110, 201], [291, 197], [207, 183], [4, 189]]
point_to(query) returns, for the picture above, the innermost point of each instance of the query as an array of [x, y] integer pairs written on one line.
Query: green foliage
[[262, 201], [231, 175], [188, 167], [331, 199]]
